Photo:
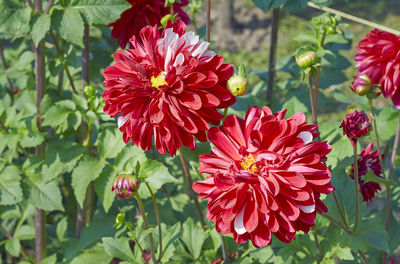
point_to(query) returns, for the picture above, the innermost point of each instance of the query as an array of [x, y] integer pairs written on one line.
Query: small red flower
[[169, 87], [141, 14], [125, 186], [378, 57], [355, 125], [16, 91], [265, 176], [368, 161]]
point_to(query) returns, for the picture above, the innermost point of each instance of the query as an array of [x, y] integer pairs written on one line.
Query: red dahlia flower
[[368, 161], [170, 87], [141, 14], [355, 125], [265, 176], [378, 57]]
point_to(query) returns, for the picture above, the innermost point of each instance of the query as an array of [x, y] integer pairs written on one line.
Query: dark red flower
[[378, 56], [265, 176], [168, 87], [125, 186], [368, 161], [16, 91], [355, 125], [141, 14]]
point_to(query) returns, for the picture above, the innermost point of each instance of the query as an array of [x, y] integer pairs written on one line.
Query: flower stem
[[190, 190], [362, 257], [388, 191], [158, 220], [208, 23], [272, 53], [146, 226], [320, 257], [378, 145], [333, 220], [340, 209], [225, 114], [312, 100], [225, 254], [136, 241], [355, 165]]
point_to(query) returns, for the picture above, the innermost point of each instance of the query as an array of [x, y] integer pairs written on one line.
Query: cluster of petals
[[125, 186], [143, 13], [168, 86], [356, 124], [361, 84], [265, 176], [368, 161], [378, 56]]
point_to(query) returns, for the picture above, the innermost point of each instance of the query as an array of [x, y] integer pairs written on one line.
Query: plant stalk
[[355, 166], [320, 257], [340, 209], [378, 145], [333, 220], [10, 85], [158, 221], [224, 248], [272, 53], [190, 190], [388, 191], [312, 100], [136, 241], [146, 226], [208, 23]]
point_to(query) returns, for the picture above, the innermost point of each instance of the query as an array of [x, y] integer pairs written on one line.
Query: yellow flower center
[[158, 81], [247, 164]]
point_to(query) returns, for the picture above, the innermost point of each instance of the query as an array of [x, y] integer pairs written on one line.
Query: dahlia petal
[[307, 209], [306, 136], [250, 217], [238, 224], [121, 120], [222, 142]]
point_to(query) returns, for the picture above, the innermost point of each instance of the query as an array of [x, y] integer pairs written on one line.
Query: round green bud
[[165, 19], [331, 29], [89, 91], [307, 59], [238, 85], [120, 219]]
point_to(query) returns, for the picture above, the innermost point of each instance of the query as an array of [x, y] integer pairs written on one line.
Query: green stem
[[362, 257], [320, 257], [225, 114], [355, 166], [146, 226], [378, 145], [208, 20], [340, 209], [333, 220], [190, 191], [158, 220], [312, 100], [136, 241], [225, 253]]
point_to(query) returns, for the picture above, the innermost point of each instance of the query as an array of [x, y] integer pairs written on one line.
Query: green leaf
[[110, 143], [386, 122], [193, 237], [61, 229], [128, 157], [156, 175], [13, 247], [306, 37], [293, 106], [101, 11], [10, 189], [70, 25], [103, 187], [60, 157], [264, 5], [93, 255], [49, 260], [40, 27], [58, 113], [169, 237], [45, 196], [343, 253], [14, 21], [25, 232], [118, 247], [88, 169]]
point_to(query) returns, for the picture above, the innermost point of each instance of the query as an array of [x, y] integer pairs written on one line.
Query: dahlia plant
[[128, 136]]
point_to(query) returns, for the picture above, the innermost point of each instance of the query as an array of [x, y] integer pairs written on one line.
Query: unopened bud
[[119, 220], [307, 59], [361, 84], [125, 186], [89, 91], [238, 85]]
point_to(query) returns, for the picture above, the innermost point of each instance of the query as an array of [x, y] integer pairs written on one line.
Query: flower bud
[[16, 91], [125, 186], [361, 84], [307, 59], [165, 19], [356, 124], [89, 91], [331, 30], [238, 85], [119, 220]]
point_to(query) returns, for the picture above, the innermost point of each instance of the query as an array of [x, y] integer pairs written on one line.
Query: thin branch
[[49, 4], [158, 221], [190, 190], [320, 257], [208, 23], [225, 253], [362, 257], [355, 166], [272, 53], [378, 145], [340, 209], [312, 99], [60, 55], [333, 220], [353, 18], [29, 2]]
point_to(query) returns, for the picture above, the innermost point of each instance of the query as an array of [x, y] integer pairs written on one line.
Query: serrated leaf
[[95, 255], [103, 187], [45, 196], [70, 25], [10, 189], [101, 11], [128, 158], [156, 175], [118, 247], [58, 113], [40, 27], [110, 143], [14, 22], [344, 253], [88, 169], [193, 237], [49, 260]]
